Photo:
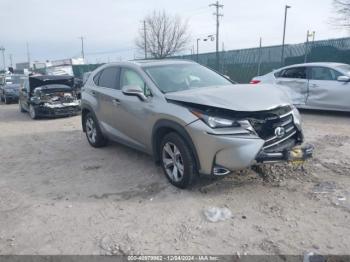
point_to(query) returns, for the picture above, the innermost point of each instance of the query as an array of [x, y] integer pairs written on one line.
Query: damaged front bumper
[[47, 110], [295, 154], [222, 153]]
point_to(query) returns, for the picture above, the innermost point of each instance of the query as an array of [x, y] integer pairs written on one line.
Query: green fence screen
[[79, 70], [242, 65]]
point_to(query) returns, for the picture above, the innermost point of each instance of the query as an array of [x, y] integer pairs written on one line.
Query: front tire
[[93, 131], [177, 161], [21, 109], [32, 112]]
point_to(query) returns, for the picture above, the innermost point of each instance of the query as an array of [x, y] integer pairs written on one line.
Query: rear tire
[[177, 161], [93, 131]]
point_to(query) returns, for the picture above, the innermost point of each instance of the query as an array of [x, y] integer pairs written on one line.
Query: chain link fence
[[242, 65]]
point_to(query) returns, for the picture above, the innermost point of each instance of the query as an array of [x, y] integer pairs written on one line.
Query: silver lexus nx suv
[[191, 119]]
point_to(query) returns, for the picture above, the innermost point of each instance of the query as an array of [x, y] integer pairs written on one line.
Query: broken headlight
[[219, 122], [296, 116]]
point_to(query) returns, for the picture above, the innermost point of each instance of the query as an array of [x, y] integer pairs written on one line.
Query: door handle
[[116, 102]]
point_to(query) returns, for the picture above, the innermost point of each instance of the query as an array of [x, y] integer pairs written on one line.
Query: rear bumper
[[12, 97]]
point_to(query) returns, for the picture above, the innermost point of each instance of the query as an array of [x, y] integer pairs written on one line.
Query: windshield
[[344, 68], [13, 79], [177, 77]]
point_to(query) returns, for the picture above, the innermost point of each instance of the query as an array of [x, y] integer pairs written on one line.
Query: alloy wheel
[[91, 130], [173, 162]]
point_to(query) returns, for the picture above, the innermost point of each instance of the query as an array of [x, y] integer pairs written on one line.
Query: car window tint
[[295, 72], [109, 78], [324, 73], [130, 77]]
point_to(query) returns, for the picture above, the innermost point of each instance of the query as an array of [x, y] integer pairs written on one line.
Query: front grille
[[266, 130]]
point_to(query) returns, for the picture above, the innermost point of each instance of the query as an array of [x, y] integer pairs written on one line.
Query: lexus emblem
[[280, 132]]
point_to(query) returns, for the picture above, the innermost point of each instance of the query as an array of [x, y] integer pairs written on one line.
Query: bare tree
[[342, 8], [163, 35]]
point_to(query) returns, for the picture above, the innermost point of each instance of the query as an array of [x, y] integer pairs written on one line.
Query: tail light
[[254, 82]]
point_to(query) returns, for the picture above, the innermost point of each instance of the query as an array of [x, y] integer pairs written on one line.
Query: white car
[[323, 86]]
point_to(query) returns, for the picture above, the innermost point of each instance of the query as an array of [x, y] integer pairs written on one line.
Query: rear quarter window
[[277, 74], [97, 77]]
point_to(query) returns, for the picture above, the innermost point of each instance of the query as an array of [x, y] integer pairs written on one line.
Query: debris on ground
[[341, 198], [325, 187], [216, 214]]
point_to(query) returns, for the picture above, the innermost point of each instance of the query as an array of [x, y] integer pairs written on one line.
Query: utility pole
[[82, 46], [308, 34], [198, 39], [259, 63], [218, 15], [11, 60], [145, 37], [28, 54], [284, 32], [2, 49]]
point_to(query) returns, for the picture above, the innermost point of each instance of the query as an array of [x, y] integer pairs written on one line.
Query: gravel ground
[[58, 195]]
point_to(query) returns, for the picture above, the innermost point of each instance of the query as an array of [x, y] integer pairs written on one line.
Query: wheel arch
[[84, 111], [163, 127]]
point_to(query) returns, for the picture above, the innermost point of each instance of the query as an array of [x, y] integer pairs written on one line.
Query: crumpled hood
[[242, 97]]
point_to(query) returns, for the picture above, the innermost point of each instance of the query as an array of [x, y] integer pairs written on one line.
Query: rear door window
[[295, 72], [109, 77]]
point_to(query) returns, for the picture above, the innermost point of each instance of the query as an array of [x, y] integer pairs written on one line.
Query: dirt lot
[[58, 195]]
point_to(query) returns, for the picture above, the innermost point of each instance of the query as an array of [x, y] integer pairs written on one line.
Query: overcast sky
[[52, 27]]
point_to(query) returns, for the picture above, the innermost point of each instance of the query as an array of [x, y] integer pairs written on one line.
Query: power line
[[218, 15], [111, 51]]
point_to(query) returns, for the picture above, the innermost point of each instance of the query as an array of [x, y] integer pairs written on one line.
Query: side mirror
[[343, 79], [134, 90], [24, 90]]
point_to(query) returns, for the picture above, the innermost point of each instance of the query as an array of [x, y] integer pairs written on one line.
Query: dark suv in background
[[9, 87]]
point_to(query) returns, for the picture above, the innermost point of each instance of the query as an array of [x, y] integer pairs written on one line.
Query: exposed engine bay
[[55, 97]]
